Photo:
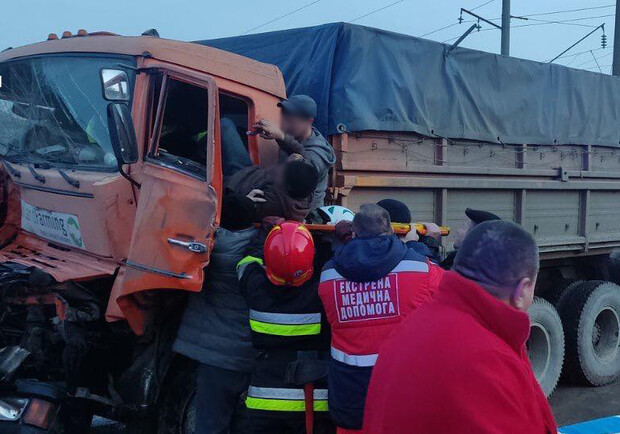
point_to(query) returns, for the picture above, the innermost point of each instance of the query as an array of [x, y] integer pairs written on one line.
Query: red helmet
[[289, 254]]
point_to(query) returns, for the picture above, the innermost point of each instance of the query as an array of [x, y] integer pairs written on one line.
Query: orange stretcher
[[399, 229]]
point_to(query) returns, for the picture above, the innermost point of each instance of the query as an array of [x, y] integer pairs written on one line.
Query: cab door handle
[[192, 246]]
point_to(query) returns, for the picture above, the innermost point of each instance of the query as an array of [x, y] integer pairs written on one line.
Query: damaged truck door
[[177, 207]]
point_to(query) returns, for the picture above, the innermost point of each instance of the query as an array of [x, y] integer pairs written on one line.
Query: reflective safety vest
[[283, 399], [282, 316], [286, 322]]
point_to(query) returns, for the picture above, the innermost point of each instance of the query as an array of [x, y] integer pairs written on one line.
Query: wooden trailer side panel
[[568, 197]]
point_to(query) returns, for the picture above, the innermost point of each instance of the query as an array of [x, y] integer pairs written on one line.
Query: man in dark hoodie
[[215, 330], [296, 135], [371, 284]]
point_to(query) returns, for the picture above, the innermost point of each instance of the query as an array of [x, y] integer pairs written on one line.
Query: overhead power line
[[539, 22], [482, 5], [590, 61], [597, 64], [307, 5], [601, 26], [376, 10], [568, 11]]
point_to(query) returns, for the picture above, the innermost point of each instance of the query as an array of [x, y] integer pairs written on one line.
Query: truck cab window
[[184, 128], [234, 118]]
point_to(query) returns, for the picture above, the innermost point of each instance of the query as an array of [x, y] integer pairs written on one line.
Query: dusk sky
[[29, 21]]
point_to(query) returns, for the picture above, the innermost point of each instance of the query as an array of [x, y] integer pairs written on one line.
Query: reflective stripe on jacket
[[283, 399], [363, 313]]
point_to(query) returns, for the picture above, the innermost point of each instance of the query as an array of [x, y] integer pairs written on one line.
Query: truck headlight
[[11, 409]]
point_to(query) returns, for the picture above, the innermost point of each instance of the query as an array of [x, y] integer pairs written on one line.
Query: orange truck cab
[[98, 221]]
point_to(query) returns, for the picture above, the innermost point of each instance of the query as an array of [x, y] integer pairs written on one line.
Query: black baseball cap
[[478, 216], [299, 105]]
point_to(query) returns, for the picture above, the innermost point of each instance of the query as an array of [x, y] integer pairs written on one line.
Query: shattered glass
[[53, 111]]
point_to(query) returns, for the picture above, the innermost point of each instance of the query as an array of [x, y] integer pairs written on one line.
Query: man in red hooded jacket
[[459, 364]]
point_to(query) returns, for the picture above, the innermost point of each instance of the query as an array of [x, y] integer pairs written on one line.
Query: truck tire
[[556, 294], [590, 314], [174, 412], [545, 346]]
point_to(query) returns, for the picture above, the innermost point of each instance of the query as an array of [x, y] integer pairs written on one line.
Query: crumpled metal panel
[[61, 262]]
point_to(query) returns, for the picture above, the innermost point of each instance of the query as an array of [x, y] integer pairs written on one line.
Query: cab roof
[[262, 76]]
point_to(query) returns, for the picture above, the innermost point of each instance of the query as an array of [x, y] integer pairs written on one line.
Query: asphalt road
[[570, 404]]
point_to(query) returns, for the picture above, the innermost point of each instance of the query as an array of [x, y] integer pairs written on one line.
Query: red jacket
[[367, 290], [458, 365]]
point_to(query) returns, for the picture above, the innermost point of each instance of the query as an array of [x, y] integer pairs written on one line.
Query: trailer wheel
[[590, 314], [556, 294], [545, 346]]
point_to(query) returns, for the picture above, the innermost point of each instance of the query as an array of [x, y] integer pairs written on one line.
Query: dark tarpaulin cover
[[370, 79]]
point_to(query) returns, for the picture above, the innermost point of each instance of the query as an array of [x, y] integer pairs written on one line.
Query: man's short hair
[[399, 211], [301, 178], [371, 220], [497, 255]]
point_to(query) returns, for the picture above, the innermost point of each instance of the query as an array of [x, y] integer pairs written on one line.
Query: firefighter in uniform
[[288, 385]]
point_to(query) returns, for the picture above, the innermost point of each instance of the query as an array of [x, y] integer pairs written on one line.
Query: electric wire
[[376, 10], [307, 5], [565, 22]]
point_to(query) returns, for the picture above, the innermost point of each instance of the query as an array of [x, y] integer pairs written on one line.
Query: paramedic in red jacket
[[369, 286], [459, 364]]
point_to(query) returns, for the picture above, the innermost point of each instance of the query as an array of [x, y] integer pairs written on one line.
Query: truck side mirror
[[122, 133]]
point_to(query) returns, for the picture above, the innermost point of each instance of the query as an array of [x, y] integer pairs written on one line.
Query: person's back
[[372, 283], [459, 363], [287, 188], [214, 329]]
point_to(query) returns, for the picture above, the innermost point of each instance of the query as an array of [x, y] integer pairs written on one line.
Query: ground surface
[[570, 405], [577, 404]]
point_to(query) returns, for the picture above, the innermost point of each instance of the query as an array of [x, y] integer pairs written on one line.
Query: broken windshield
[[53, 110]]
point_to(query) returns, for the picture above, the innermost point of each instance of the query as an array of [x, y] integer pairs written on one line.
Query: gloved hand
[[257, 196], [433, 231], [412, 235], [343, 231]]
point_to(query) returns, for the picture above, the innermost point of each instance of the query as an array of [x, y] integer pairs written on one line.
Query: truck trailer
[[112, 178]]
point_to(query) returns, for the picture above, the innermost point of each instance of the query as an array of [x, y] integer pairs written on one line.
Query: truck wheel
[[176, 411], [545, 346], [591, 317], [556, 294]]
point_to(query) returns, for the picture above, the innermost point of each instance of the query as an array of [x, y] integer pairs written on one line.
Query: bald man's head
[[501, 257]]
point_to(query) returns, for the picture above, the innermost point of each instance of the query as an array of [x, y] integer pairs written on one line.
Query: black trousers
[[296, 424], [219, 409]]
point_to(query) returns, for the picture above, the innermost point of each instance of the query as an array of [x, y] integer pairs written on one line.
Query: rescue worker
[[474, 217], [289, 329], [460, 364], [372, 283], [430, 243], [214, 329], [283, 190], [297, 135]]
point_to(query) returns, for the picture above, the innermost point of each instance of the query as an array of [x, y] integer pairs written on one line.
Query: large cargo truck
[[112, 174]]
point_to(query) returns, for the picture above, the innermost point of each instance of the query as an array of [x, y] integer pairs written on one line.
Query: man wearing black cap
[[474, 217], [296, 135], [430, 244]]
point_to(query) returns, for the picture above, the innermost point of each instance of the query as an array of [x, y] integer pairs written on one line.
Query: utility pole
[[506, 27], [615, 69]]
